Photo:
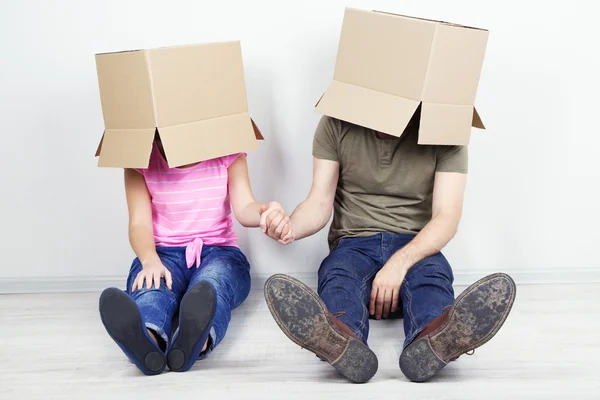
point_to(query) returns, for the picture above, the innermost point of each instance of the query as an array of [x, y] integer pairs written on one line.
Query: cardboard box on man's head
[[192, 97], [388, 65]]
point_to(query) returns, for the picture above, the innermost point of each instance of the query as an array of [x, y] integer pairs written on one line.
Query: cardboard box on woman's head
[[192, 97], [389, 66]]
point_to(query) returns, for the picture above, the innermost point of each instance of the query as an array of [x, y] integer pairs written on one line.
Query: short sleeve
[[452, 159], [325, 143], [228, 160]]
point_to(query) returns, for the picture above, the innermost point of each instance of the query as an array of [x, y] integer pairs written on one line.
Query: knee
[[333, 270], [328, 278], [153, 296], [436, 267], [339, 280], [224, 288], [226, 276]]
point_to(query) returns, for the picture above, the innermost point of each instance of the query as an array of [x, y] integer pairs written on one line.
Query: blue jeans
[[346, 276], [226, 268]]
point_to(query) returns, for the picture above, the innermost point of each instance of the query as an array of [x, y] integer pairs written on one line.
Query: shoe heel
[[418, 362], [358, 363]]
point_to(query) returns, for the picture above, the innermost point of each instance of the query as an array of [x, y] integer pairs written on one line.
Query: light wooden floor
[[54, 346]]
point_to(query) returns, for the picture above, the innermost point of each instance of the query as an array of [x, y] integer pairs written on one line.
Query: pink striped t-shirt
[[190, 206]]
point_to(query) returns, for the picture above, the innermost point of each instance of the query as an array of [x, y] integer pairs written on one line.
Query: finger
[[273, 214], [288, 238], [134, 284], [263, 208], [284, 222], [373, 299], [285, 230], [169, 279], [387, 303], [141, 280], [263, 220], [152, 279], [285, 241], [148, 281], [274, 225], [157, 280], [395, 300], [379, 303]]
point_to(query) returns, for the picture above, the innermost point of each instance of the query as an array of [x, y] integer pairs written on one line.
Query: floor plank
[[54, 346]]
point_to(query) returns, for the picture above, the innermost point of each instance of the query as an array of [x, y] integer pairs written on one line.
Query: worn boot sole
[[476, 316], [123, 322], [196, 314], [303, 317]]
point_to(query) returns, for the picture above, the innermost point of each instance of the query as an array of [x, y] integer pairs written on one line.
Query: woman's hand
[[151, 274], [275, 224]]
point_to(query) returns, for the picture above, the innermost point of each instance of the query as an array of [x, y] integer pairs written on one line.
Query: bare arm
[[140, 217], [448, 195], [245, 207], [314, 212], [140, 231]]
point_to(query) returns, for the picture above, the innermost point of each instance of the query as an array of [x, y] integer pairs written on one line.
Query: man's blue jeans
[[226, 268], [346, 276]]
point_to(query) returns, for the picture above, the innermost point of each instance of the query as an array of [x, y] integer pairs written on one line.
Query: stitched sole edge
[[303, 318]]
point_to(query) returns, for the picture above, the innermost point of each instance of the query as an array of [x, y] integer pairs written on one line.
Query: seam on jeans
[[368, 278], [363, 322], [165, 316], [409, 307], [244, 266], [247, 293]]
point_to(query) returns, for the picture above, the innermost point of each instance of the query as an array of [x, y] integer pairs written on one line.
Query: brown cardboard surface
[[126, 148], [389, 64], [125, 94], [453, 120], [257, 132], [193, 96], [370, 56], [207, 139], [454, 65], [365, 107], [197, 83], [477, 123]]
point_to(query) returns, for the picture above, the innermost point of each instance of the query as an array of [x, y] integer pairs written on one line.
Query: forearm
[[431, 240], [142, 243], [249, 216], [310, 217]]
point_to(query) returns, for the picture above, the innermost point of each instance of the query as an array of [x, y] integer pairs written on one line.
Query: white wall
[[532, 201]]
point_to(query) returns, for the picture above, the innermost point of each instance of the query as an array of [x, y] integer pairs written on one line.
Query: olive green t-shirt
[[385, 185]]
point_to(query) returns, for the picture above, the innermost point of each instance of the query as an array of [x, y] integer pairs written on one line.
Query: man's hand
[[288, 235], [385, 291], [152, 273], [275, 224]]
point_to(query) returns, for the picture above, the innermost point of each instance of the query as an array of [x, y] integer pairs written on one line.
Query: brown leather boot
[[476, 316], [304, 318]]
